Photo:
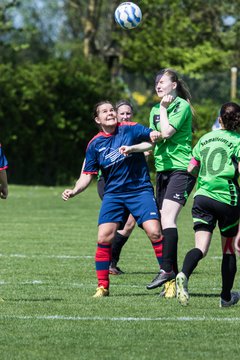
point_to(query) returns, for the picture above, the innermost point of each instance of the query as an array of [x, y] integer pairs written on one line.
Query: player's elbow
[[168, 132]]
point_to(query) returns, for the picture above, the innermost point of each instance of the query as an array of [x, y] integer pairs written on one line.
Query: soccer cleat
[[162, 293], [161, 278], [114, 270], [101, 292], [182, 288], [235, 297], [170, 289]]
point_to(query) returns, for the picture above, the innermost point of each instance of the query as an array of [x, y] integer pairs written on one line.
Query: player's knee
[[154, 234], [106, 238], [228, 245]]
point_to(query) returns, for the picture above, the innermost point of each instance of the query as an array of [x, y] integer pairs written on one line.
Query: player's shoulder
[[127, 123], [219, 135], [181, 103], [209, 135], [155, 108], [98, 137]]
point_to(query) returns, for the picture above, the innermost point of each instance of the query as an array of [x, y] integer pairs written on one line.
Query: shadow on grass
[[35, 300], [204, 295], [134, 294], [162, 297], [138, 273]]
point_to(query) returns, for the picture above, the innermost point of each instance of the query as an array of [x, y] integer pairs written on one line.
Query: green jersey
[[173, 153], [219, 154]]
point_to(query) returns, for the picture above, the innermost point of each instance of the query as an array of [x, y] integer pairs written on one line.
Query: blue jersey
[[121, 173], [3, 160]]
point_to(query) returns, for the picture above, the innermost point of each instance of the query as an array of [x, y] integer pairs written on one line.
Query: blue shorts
[[117, 207]]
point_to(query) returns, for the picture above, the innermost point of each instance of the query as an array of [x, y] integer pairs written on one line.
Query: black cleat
[[160, 279], [114, 270]]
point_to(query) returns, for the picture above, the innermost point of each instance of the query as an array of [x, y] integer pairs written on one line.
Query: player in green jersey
[[216, 157], [172, 116]]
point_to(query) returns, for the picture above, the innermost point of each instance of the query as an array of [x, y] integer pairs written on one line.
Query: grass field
[[47, 279]]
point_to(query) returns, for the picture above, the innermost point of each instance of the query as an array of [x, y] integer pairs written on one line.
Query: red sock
[[102, 261], [158, 247]]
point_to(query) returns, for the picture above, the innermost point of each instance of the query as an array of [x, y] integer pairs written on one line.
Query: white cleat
[[182, 289]]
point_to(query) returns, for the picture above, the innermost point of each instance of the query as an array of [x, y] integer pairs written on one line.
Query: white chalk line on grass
[[127, 319], [66, 256]]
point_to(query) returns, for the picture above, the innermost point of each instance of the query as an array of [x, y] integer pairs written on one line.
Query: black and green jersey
[[219, 154], [175, 152]]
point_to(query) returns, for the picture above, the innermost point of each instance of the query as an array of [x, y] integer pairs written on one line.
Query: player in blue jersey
[[124, 112], [128, 188], [3, 179], [216, 159], [3, 175]]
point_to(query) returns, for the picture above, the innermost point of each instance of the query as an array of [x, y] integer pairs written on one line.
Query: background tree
[[58, 58]]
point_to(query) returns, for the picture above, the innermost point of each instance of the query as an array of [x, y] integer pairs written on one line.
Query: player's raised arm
[[142, 147]]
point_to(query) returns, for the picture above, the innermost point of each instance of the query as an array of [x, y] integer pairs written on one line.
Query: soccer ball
[[128, 15]]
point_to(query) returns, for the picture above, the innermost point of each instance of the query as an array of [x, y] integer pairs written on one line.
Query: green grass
[[47, 278]]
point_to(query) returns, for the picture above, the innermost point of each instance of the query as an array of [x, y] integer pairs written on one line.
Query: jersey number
[[208, 163]]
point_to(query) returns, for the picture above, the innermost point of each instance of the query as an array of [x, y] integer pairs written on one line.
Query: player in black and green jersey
[[173, 117], [217, 199]]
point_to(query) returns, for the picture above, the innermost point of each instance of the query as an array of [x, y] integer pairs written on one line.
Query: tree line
[[58, 58]]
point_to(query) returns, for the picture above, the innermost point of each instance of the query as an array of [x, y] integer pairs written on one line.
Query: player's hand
[[125, 150], [67, 194], [147, 153], [237, 243], [166, 101], [155, 135], [3, 192]]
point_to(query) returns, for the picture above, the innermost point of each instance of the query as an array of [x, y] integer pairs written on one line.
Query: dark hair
[[230, 115], [182, 88], [96, 106], [123, 102]]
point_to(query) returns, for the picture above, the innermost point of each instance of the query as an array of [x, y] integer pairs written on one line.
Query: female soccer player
[[128, 188], [3, 180], [3, 175], [173, 118], [217, 199], [124, 112]]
